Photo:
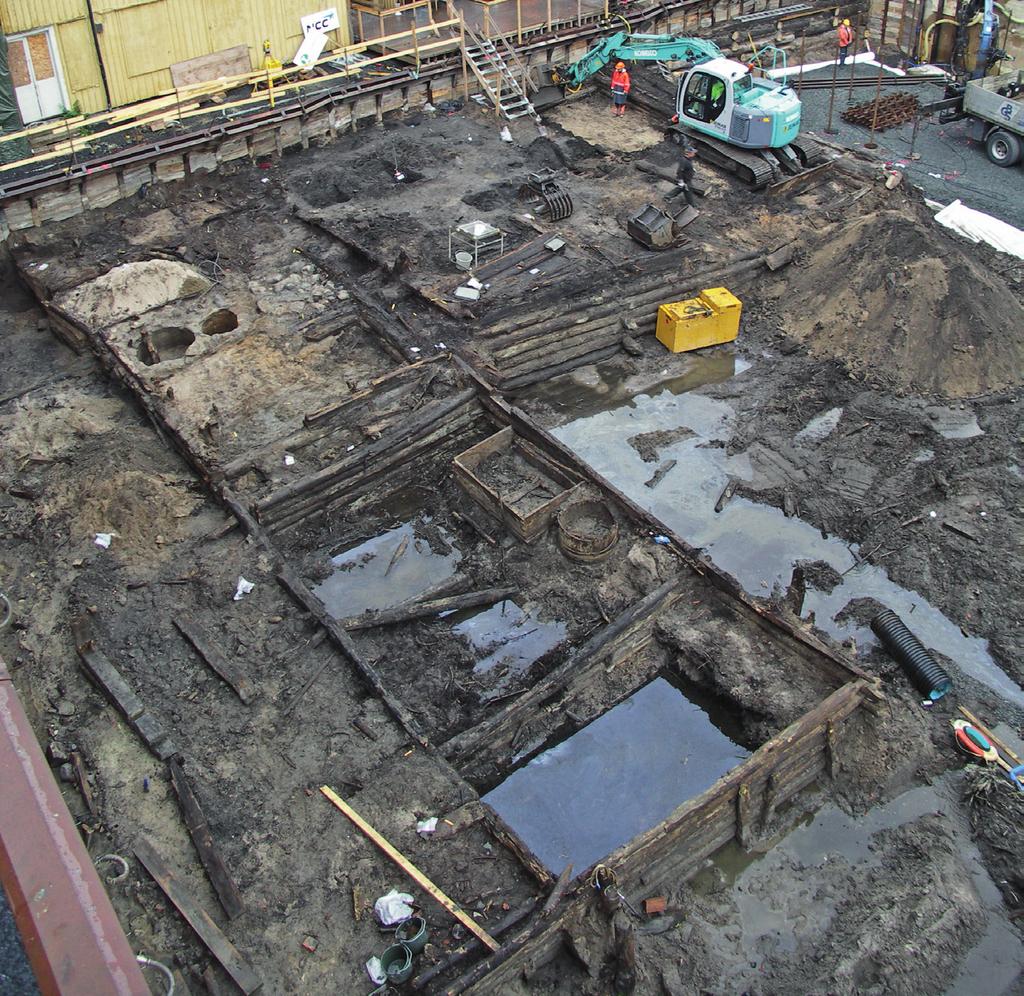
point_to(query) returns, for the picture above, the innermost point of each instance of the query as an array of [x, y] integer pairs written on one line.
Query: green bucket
[[413, 934], [396, 963]]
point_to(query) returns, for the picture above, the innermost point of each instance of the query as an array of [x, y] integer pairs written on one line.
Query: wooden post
[[465, 67], [771, 791], [831, 749], [519, 21], [410, 869], [497, 96], [744, 818], [416, 42], [885, 21], [549, 15]]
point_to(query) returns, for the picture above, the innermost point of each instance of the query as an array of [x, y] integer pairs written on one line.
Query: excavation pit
[[514, 483], [625, 772], [165, 344], [220, 322], [329, 430]]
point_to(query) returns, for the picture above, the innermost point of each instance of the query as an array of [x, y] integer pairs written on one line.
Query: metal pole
[[853, 65], [913, 136], [803, 49], [829, 130], [871, 143]]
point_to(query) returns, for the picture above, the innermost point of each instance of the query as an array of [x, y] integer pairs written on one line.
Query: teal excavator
[[746, 124]]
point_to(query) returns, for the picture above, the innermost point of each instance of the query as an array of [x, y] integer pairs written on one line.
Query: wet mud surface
[[875, 461]]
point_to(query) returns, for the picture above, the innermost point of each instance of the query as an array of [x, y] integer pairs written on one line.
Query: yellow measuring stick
[[411, 870]]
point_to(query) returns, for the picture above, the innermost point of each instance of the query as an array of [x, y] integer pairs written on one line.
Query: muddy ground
[[881, 317]]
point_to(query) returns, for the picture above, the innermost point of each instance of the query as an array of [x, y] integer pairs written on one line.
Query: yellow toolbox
[[707, 320]]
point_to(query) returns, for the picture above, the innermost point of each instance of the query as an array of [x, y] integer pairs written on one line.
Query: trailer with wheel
[[995, 107]]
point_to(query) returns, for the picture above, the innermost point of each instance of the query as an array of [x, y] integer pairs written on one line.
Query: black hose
[[923, 669]]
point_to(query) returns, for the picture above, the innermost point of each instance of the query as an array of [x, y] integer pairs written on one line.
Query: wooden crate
[[526, 506]]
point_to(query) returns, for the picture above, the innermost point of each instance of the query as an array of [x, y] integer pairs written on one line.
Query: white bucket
[[464, 260]]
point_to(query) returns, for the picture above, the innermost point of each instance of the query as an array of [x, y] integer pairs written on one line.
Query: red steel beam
[[71, 934]]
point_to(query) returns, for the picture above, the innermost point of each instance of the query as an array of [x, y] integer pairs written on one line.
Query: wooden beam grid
[[740, 804]]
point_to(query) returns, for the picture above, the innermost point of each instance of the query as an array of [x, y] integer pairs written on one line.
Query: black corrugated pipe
[[923, 669]]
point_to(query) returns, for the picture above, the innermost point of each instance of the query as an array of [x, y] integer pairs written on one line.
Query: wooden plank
[[198, 919], [227, 62], [120, 693], [195, 821], [217, 662], [411, 870], [432, 607]]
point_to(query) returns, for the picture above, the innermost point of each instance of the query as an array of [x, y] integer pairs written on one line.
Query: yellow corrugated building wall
[[140, 39]]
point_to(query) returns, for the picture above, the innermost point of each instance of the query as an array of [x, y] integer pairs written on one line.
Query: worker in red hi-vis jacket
[[845, 38], [620, 89]]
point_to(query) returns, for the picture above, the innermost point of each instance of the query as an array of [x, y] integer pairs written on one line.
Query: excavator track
[[811, 154], [750, 167]]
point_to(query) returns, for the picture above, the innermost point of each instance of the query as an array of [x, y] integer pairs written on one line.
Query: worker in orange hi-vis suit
[[620, 89], [845, 40]]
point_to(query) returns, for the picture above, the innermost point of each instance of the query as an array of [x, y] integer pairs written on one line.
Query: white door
[[35, 72]]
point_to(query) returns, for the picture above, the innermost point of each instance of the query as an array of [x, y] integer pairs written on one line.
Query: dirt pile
[[900, 302], [132, 289]]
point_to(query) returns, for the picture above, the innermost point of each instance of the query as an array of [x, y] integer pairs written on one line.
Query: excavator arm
[[634, 48]]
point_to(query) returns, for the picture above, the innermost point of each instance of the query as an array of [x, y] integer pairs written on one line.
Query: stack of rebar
[[883, 112]]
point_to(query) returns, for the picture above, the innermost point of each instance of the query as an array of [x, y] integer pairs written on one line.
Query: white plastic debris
[[264, 180], [506, 135], [931, 515], [980, 227], [474, 283], [467, 293], [375, 970], [103, 539], [288, 459], [535, 270], [243, 588], [393, 908], [43, 266], [427, 826], [349, 449], [429, 107], [441, 345], [414, 349]]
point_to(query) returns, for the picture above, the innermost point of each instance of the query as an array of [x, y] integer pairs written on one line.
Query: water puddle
[[381, 572], [594, 389], [773, 922], [953, 423], [820, 427], [755, 543], [508, 639], [578, 801]]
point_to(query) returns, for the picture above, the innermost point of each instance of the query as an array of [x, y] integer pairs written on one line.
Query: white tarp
[[980, 227], [863, 57]]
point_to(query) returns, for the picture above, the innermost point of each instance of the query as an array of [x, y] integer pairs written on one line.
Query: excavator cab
[[719, 97]]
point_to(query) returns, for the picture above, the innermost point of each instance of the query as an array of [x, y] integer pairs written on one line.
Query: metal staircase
[[502, 75]]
